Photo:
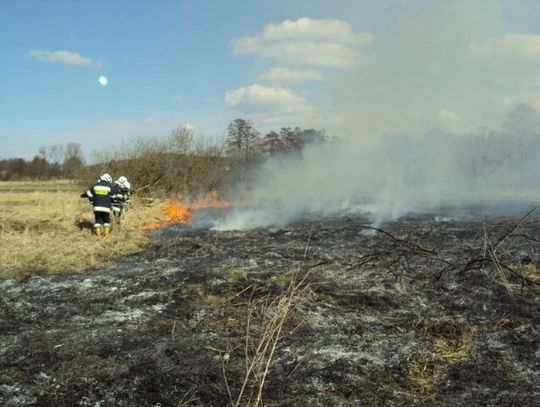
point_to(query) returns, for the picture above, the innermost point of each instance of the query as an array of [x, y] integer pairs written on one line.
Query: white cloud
[[62, 56], [511, 45], [295, 47], [328, 54], [258, 97], [289, 75], [329, 43], [274, 106], [307, 29]]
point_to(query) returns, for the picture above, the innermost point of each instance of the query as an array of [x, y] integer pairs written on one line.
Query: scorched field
[[426, 310]]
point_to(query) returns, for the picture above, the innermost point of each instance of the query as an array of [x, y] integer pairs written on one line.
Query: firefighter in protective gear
[[100, 196], [120, 197]]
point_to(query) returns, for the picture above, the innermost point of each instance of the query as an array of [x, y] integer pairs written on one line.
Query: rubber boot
[[106, 228], [98, 230]]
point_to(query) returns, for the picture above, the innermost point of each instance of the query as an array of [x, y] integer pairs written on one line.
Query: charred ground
[[424, 310]]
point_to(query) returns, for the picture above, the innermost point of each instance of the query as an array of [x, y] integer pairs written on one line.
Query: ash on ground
[[428, 310]]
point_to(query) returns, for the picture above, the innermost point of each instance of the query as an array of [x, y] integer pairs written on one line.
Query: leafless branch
[[406, 242]]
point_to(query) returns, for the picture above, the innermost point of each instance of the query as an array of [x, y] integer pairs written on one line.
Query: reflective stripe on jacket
[[100, 196], [119, 194]]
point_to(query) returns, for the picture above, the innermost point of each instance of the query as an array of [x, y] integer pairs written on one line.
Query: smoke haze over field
[[443, 113], [403, 174], [428, 74]]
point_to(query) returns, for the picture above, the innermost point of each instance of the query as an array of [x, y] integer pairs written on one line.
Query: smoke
[[403, 174], [428, 121]]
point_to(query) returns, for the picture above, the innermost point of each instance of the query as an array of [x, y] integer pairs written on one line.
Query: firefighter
[[120, 197], [100, 196]]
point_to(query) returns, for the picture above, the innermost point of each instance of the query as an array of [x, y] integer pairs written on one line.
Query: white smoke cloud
[[509, 46], [410, 120]]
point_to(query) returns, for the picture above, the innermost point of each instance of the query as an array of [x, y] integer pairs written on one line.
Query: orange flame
[[179, 212]]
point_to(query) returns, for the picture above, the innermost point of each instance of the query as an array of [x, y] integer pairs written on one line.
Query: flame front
[[179, 212]]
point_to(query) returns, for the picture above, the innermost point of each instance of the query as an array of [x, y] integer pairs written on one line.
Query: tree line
[[185, 163], [244, 140], [188, 164], [55, 161]]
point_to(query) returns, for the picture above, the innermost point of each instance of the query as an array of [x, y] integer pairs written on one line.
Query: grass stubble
[[41, 233], [46, 229]]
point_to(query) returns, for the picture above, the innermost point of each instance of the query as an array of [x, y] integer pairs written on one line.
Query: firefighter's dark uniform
[[120, 197], [100, 196]]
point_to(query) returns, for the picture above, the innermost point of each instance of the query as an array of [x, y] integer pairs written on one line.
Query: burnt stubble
[[414, 311]]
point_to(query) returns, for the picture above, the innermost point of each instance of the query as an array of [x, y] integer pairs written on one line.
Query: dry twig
[[265, 322]]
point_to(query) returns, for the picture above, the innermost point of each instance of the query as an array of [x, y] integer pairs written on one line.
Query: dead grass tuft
[[532, 273], [267, 321], [451, 343], [48, 231], [201, 293], [237, 275]]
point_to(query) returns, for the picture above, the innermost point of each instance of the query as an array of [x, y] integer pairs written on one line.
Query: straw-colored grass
[[452, 343], [55, 185], [48, 230]]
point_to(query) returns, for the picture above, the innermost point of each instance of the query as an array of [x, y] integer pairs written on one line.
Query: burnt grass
[[415, 313]]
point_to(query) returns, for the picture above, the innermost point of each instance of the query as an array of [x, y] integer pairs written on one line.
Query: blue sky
[[353, 67]]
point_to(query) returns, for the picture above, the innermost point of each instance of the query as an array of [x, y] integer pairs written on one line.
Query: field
[[435, 309], [45, 228]]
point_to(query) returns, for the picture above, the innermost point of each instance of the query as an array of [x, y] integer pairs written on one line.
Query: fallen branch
[[516, 226], [406, 242]]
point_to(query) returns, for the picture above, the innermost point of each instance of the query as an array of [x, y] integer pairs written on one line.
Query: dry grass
[[44, 228], [55, 185], [532, 273], [451, 344], [266, 324]]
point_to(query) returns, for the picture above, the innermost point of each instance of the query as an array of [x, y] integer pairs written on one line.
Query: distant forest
[[185, 163], [188, 165], [57, 161]]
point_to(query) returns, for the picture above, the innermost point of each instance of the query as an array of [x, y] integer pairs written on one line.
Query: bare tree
[[185, 164], [38, 167], [182, 139], [272, 143], [523, 120], [296, 139], [241, 138], [56, 153], [73, 160]]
